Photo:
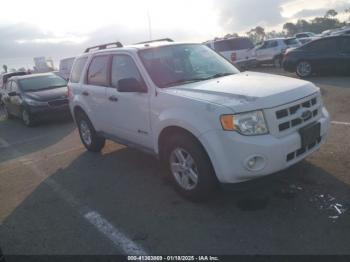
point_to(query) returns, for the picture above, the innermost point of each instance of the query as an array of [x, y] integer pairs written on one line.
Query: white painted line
[[340, 123], [120, 240], [115, 235], [24, 141]]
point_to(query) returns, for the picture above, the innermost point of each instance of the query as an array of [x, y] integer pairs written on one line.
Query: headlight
[[32, 102], [249, 124]]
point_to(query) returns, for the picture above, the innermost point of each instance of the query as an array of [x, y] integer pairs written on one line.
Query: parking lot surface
[[57, 198]]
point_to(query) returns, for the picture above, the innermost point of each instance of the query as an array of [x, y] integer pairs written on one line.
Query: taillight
[[233, 57], [69, 92]]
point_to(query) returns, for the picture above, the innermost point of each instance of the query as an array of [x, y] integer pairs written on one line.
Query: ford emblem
[[306, 115]]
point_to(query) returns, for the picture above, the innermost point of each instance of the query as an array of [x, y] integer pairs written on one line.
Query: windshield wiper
[[184, 81], [188, 81], [219, 75]]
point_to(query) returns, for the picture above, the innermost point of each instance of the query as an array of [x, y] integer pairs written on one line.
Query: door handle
[[113, 98], [85, 93]]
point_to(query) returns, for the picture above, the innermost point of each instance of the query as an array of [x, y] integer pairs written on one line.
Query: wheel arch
[[172, 130], [78, 109], [168, 131]]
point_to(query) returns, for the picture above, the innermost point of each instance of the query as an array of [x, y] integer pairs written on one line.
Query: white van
[[66, 67], [238, 50]]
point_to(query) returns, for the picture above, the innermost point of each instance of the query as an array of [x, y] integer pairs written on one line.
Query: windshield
[[181, 64], [42, 82]]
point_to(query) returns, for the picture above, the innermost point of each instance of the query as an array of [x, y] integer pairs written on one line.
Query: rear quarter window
[[78, 69]]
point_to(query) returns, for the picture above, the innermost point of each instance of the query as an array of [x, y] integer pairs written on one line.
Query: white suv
[[194, 110], [272, 50]]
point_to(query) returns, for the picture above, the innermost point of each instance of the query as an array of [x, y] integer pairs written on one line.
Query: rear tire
[[304, 69], [27, 118], [193, 176], [88, 135]]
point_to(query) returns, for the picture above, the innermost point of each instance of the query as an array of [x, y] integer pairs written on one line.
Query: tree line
[[316, 25]]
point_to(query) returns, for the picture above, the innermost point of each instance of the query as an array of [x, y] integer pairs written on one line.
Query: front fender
[[195, 123]]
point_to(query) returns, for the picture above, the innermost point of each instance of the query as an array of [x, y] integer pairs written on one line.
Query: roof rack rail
[[103, 46], [156, 40]]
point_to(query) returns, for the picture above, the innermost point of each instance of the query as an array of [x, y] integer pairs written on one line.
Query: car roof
[[31, 76], [135, 47], [280, 38], [333, 36], [230, 38]]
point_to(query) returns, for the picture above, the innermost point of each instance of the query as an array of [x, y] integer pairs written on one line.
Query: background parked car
[[325, 55], [35, 97], [304, 35], [5, 77], [65, 67], [342, 32], [238, 50], [271, 51]]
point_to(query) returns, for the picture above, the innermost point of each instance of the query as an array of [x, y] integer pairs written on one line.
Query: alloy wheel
[[183, 168], [85, 132], [304, 69]]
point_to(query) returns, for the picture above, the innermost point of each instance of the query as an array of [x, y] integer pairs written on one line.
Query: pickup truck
[[207, 122]]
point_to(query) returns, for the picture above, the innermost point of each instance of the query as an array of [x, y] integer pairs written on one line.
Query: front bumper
[[230, 151], [48, 112]]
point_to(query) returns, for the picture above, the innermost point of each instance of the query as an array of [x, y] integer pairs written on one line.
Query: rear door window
[[78, 69], [291, 41], [324, 45], [98, 71], [273, 44]]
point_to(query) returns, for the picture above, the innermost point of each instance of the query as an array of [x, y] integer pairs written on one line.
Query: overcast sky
[[63, 28]]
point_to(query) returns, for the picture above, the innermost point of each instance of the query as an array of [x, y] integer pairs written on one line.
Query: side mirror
[[130, 85], [12, 94]]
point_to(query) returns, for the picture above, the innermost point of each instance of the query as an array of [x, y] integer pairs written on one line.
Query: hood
[[247, 91], [48, 95]]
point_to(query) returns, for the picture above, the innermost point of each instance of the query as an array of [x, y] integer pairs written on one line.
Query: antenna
[[149, 24]]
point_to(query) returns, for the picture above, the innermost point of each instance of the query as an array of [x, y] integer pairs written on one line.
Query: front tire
[[190, 168], [88, 134], [304, 69]]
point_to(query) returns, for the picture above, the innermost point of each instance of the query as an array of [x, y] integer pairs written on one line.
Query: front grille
[[293, 118], [59, 102], [302, 150]]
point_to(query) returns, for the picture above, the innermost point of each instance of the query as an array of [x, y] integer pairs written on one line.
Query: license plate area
[[310, 134]]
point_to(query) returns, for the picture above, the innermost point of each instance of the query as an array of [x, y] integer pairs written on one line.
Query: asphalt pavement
[[57, 198]]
